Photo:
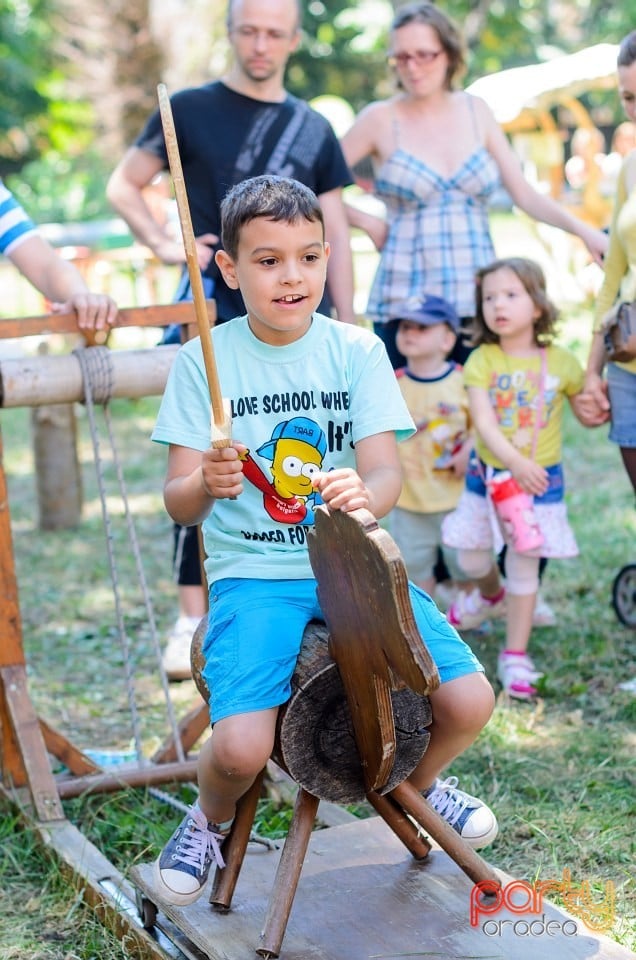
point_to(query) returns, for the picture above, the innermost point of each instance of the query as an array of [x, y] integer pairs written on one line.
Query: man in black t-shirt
[[242, 125]]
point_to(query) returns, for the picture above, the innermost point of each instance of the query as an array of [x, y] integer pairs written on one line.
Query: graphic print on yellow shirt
[[513, 385]]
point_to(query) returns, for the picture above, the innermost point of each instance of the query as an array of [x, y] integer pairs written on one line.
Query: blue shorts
[[621, 385], [255, 628]]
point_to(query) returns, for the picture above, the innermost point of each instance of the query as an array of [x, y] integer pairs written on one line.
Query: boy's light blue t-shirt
[[299, 409]]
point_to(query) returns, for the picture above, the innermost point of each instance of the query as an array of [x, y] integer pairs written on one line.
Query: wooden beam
[[11, 651], [38, 380], [128, 776], [155, 316], [68, 754], [12, 767], [195, 722]]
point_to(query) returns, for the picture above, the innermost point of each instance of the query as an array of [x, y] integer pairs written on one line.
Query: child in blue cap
[[435, 458], [317, 414]]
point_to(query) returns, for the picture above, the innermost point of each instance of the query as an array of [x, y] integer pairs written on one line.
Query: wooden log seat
[[315, 741]]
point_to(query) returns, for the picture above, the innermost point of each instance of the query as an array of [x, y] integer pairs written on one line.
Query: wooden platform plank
[[362, 896]]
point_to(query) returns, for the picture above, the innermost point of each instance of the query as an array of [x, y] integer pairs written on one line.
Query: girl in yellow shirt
[[517, 382]]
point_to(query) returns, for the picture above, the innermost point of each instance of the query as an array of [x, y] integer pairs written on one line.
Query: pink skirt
[[474, 526]]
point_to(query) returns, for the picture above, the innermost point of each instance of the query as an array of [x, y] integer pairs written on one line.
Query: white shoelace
[[448, 802], [197, 841]]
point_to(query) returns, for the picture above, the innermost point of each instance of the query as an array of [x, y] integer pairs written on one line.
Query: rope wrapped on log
[[97, 371], [37, 380]]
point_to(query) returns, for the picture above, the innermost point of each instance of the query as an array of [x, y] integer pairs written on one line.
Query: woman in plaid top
[[438, 155]]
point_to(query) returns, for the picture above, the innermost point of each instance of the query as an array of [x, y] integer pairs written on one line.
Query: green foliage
[[25, 60], [344, 51], [45, 136], [43, 918], [62, 186]]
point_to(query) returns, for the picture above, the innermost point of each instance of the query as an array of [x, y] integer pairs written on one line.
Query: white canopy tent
[[540, 86], [522, 99]]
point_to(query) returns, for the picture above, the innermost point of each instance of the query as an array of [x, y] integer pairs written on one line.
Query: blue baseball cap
[[427, 311], [298, 428]]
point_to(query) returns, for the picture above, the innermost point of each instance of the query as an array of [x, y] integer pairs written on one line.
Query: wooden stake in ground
[[221, 422]]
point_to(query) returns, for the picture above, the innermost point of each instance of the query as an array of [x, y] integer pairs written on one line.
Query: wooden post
[[58, 476], [23, 757], [11, 653]]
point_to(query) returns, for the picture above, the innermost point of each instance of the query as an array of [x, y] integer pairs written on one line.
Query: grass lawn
[[560, 773]]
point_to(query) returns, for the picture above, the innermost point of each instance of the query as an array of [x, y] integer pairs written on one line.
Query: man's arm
[[136, 170], [340, 267], [376, 228]]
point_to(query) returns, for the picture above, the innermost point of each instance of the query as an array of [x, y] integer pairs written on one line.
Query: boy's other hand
[[342, 490], [222, 471]]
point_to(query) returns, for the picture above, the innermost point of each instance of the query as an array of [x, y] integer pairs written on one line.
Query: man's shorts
[[255, 629]]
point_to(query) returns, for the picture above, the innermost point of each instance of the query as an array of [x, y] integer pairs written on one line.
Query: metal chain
[[98, 379]]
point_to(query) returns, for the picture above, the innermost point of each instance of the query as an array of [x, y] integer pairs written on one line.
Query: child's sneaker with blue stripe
[[181, 871], [468, 816]]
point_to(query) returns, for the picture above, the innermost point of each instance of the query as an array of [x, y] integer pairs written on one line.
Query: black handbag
[[619, 332]]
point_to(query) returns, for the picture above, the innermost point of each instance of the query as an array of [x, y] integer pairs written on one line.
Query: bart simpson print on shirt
[[296, 449]]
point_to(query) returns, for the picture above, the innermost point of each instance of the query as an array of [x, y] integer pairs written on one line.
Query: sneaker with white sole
[[470, 610], [468, 816], [544, 615], [176, 656], [182, 869], [445, 594], [517, 674]]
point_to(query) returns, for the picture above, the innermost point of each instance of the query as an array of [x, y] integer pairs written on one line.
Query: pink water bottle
[[515, 510]]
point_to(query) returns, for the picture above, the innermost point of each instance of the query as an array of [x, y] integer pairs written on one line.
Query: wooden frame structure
[[27, 740]]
